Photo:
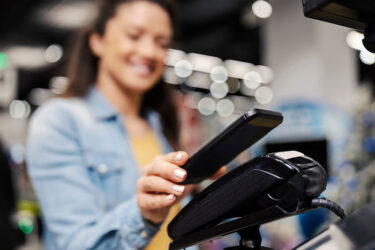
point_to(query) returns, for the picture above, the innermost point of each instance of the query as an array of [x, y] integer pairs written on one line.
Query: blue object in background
[[369, 144], [311, 222], [368, 119]]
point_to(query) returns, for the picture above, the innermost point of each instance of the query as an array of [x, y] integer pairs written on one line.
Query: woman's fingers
[[156, 184], [165, 170], [178, 158], [188, 189], [158, 187], [167, 167], [155, 201]]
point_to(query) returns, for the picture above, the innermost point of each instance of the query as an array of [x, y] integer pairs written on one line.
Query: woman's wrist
[[151, 224]]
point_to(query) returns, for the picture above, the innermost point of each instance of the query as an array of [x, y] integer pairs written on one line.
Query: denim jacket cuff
[[135, 230]]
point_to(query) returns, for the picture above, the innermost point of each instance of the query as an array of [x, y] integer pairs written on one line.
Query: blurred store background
[[228, 57]]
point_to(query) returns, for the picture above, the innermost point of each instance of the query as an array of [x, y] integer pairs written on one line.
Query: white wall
[[310, 58], [12, 131]]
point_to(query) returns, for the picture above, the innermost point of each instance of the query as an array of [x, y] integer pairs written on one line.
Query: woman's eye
[[133, 36], [164, 44]]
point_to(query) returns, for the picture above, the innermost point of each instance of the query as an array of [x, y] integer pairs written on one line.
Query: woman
[[85, 150]]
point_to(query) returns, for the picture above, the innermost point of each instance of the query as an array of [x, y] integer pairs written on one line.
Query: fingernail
[[179, 173], [178, 188], [179, 157], [170, 197]]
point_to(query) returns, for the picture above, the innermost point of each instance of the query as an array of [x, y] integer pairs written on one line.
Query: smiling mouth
[[143, 70]]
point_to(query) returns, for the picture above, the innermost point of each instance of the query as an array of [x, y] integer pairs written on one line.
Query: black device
[[264, 189], [314, 148], [356, 14], [241, 134]]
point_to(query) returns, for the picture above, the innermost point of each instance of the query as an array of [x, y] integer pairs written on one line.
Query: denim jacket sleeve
[[70, 206]]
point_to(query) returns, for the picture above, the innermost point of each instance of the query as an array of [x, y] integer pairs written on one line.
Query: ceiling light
[[26, 56], [203, 63], [262, 9], [68, 14]]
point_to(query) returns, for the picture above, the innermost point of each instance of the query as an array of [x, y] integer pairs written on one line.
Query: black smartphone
[[241, 134]]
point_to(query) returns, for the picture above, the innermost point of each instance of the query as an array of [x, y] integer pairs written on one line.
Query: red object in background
[[190, 125]]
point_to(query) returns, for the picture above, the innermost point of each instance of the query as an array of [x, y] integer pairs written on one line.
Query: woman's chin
[[140, 86]]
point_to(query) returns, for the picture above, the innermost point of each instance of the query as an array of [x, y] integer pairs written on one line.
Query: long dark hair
[[83, 66]]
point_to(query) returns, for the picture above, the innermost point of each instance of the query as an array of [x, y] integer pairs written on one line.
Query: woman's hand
[[158, 188]]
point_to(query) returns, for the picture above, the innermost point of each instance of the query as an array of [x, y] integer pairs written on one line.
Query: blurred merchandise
[[359, 171], [10, 235]]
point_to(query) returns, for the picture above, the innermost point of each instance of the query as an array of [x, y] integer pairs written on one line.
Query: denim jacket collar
[[100, 106], [103, 109]]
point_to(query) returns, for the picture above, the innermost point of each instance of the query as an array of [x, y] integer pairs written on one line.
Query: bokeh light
[[26, 56], [199, 80], [245, 90], [25, 225], [173, 56], [367, 57], [4, 61], [262, 9], [58, 84], [354, 40], [206, 106], [183, 68], [19, 109], [67, 14], [53, 53], [263, 95], [252, 79], [237, 69], [203, 63], [170, 77], [219, 90], [266, 73], [219, 74], [225, 108]]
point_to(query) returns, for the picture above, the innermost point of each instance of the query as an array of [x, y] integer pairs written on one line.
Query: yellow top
[[145, 148]]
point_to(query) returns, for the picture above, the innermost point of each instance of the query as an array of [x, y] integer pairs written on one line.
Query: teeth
[[141, 69]]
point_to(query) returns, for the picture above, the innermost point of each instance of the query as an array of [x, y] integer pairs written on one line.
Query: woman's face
[[132, 49]]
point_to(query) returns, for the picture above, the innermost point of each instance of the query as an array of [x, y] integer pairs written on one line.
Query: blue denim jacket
[[84, 174]]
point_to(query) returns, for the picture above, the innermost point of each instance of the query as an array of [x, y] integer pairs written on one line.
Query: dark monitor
[[316, 149], [356, 14]]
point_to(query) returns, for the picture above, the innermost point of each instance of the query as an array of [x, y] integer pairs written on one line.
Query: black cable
[[323, 202]]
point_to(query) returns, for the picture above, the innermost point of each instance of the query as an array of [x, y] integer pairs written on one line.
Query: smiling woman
[[99, 157], [130, 38], [133, 48]]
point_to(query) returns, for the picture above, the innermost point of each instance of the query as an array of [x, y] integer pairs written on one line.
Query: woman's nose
[[147, 48]]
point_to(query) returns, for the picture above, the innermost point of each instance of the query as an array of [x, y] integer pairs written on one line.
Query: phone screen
[[241, 134]]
